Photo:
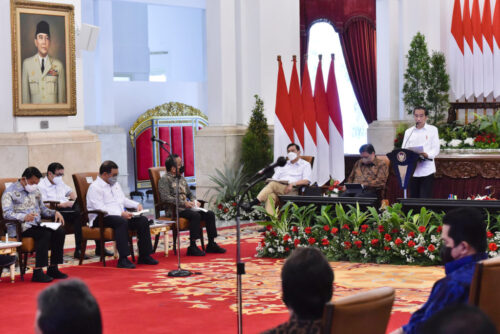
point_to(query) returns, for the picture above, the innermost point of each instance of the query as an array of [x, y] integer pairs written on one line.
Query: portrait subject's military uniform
[[43, 88]]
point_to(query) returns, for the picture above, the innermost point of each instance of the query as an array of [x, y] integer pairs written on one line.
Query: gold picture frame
[[43, 70]]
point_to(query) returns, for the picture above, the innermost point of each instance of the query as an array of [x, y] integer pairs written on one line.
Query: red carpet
[[145, 300]]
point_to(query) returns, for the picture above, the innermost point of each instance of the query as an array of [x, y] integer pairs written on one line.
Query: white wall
[[23, 124]]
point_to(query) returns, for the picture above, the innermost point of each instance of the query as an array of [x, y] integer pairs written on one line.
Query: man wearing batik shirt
[[464, 244], [369, 171], [22, 201]]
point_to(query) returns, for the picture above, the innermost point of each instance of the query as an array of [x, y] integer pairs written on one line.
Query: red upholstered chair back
[[174, 123]]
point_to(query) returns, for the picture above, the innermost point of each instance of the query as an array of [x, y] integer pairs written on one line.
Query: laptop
[[354, 187]]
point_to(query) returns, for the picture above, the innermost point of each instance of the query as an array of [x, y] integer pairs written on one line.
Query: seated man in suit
[[53, 188], [464, 244], [369, 171], [307, 285], [106, 194], [187, 207], [297, 172], [22, 201]]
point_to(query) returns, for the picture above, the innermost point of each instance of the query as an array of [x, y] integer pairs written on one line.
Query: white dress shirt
[[102, 196], [54, 192], [427, 137], [293, 172]]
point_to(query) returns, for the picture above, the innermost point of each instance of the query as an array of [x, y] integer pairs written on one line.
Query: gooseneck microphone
[[159, 141], [279, 163], [407, 139]]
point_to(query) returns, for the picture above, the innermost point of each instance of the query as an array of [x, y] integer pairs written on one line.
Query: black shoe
[[7, 260], [147, 260], [106, 253], [125, 263], [55, 273], [214, 248], [195, 251], [40, 277], [76, 255]]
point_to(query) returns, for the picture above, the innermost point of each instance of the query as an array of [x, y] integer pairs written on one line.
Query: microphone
[[159, 141], [279, 163], [407, 139]]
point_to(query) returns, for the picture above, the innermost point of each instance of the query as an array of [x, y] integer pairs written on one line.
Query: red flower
[[273, 233], [394, 230], [411, 244], [364, 227], [387, 237], [307, 230], [234, 204], [330, 188], [493, 247], [381, 228], [325, 242], [387, 248], [421, 229], [421, 249], [374, 242], [347, 245], [431, 248], [439, 229], [286, 237], [295, 229], [269, 227], [262, 243], [346, 227], [411, 234], [358, 243], [335, 230], [296, 242], [398, 241], [355, 232], [226, 210], [219, 206], [336, 183], [311, 241], [287, 249], [489, 234], [326, 228]]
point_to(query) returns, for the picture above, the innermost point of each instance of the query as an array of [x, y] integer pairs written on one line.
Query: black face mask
[[445, 253]]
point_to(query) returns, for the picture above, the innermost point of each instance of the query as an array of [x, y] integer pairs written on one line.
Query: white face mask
[[291, 156], [57, 180], [31, 187]]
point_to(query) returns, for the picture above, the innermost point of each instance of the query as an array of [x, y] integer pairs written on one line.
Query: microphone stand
[[240, 266], [179, 272]]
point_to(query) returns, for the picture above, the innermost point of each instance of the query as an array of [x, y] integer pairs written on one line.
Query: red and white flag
[[283, 123], [337, 168], [456, 52], [296, 105], [468, 57], [487, 28], [477, 52], [310, 144], [496, 50], [322, 119]]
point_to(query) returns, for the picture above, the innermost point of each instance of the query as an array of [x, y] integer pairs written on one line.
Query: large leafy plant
[[228, 184]]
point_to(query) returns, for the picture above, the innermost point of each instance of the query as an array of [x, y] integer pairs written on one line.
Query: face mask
[[445, 253], [57, 180], [31, 187], [112, 180], [291, 156]]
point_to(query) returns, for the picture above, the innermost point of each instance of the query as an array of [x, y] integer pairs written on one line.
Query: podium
[[403, 162]]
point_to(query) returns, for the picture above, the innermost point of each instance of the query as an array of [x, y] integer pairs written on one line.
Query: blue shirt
[[17, 203], [452, 289]]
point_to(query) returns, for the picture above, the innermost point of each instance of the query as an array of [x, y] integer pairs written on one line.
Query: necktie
[[43, 65]]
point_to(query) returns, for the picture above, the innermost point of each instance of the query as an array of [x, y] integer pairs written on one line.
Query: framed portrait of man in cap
[[43, 54]]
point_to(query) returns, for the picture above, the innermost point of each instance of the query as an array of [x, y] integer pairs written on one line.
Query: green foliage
[[417, 74], [490, 123], [426, 81], [229, 183], [256, 146], [437, 93]]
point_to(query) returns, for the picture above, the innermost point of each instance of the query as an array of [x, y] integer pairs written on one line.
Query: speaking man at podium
[[423, 139]]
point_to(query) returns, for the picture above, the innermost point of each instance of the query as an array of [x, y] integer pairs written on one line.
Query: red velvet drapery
[[354, 20]]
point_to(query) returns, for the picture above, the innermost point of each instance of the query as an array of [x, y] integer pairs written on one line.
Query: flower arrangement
[[227, 211], [334, 188], [353, 235]]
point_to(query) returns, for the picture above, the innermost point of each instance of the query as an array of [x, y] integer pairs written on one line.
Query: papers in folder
[[197, 208], [138, 213], [416, 149], [52, 226], [279, 181]]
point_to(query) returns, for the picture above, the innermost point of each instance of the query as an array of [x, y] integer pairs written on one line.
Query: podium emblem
[[401, 156]]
